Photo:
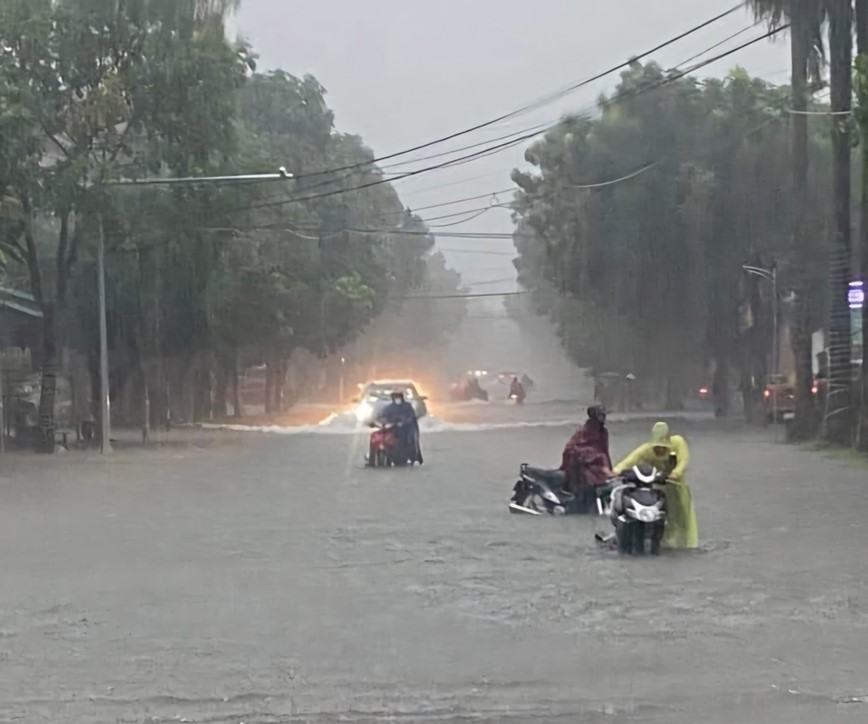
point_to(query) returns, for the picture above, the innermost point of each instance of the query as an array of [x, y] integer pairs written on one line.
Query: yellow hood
[[660, 435]]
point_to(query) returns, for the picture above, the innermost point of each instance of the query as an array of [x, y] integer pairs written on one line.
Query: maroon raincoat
[[587, 451]]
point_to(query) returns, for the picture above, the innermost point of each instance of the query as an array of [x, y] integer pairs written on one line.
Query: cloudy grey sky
[[402, 72]]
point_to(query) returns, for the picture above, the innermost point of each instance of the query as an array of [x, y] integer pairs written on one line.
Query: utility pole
[[104, 401], [771, 275]]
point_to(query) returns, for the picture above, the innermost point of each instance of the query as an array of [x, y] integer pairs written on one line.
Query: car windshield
[[383, 391]]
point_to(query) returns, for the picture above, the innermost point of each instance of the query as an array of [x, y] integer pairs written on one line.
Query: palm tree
[[840, 17], [862, 50], [805, 19]]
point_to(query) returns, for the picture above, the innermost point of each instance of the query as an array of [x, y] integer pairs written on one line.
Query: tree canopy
[[201, 278], [636, 225]]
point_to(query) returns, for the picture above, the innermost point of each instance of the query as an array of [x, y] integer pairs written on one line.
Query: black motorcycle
[[540, 491], [637, 508]]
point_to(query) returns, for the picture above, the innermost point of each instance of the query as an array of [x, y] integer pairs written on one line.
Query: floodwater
[[273, 579]]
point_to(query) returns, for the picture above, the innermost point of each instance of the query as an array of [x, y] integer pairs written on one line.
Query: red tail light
[[815, 389], [767, 394]]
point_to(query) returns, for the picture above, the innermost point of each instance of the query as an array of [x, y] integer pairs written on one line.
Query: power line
[[476, 251], [468, 296], [671, 78], [544, 100], [722, 42]]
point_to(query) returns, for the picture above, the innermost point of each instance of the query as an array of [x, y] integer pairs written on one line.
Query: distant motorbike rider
[[586, 459], [401, 414], [669, 453], [516, 391]]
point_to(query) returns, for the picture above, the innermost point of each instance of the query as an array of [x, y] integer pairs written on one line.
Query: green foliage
[[95, 91], [647, 272]]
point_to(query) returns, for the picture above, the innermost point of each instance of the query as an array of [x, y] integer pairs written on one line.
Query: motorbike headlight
[[648, 515], [363, 411]]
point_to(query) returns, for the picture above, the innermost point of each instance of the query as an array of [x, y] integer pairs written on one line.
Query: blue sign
[[856, 295]]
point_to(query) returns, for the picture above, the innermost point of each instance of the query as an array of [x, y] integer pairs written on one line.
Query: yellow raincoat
[[682, 530]]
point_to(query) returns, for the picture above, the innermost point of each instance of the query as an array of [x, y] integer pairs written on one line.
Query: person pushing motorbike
[[516, 391], [669, 453], [401, 414]]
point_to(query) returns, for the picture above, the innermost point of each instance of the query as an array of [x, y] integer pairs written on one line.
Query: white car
[[377, 394]]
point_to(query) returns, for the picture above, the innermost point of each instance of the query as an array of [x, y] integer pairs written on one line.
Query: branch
[[53, 139]]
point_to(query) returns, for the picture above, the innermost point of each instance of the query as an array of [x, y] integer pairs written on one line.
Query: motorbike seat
[[552, 477], [605, 491]]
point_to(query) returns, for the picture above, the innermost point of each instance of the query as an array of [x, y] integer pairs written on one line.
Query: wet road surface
[[275, 580]]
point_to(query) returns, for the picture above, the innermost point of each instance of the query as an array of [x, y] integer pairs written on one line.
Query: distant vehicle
[[468, 388], [377, 394], [780, 396]]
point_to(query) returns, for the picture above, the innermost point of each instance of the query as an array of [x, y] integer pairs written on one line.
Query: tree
[[805, 18], [861, 80], [110, 89], [840, 14], [631, 254], [201, 278]]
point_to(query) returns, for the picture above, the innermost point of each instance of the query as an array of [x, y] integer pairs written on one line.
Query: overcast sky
[[402, 72]]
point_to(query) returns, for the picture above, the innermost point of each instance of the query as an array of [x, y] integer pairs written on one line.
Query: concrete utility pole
[[105, 403], [772, 276]]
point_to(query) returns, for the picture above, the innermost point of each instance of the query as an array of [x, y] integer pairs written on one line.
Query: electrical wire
[[544, 100], [468, 296], [667, 80]]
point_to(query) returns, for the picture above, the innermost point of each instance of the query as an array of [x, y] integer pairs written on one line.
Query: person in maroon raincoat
[[586, 454]]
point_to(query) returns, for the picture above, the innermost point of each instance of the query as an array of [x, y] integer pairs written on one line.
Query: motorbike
[[540, 491], [637, 508], [384, 449]]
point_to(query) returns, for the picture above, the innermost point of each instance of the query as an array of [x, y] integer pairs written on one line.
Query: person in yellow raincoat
[[669, 453]]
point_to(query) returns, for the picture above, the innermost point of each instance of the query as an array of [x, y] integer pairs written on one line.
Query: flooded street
[[276, 580]]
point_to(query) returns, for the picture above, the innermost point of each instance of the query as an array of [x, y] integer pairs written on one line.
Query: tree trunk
[[146, 409], [862, 48], [720, 386], [280, 387], [237, 412], [269, 387], [202, 409], [48, 392], [221, 390], [839, 421], [804, 425]]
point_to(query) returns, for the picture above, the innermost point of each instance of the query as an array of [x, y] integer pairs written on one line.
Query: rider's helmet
[[598, 413], [397, 395]]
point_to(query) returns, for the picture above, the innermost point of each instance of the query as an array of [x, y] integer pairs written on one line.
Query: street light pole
[[104, 402], [771, 275]]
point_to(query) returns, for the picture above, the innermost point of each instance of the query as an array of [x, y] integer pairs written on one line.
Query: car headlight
[[364, 411]]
